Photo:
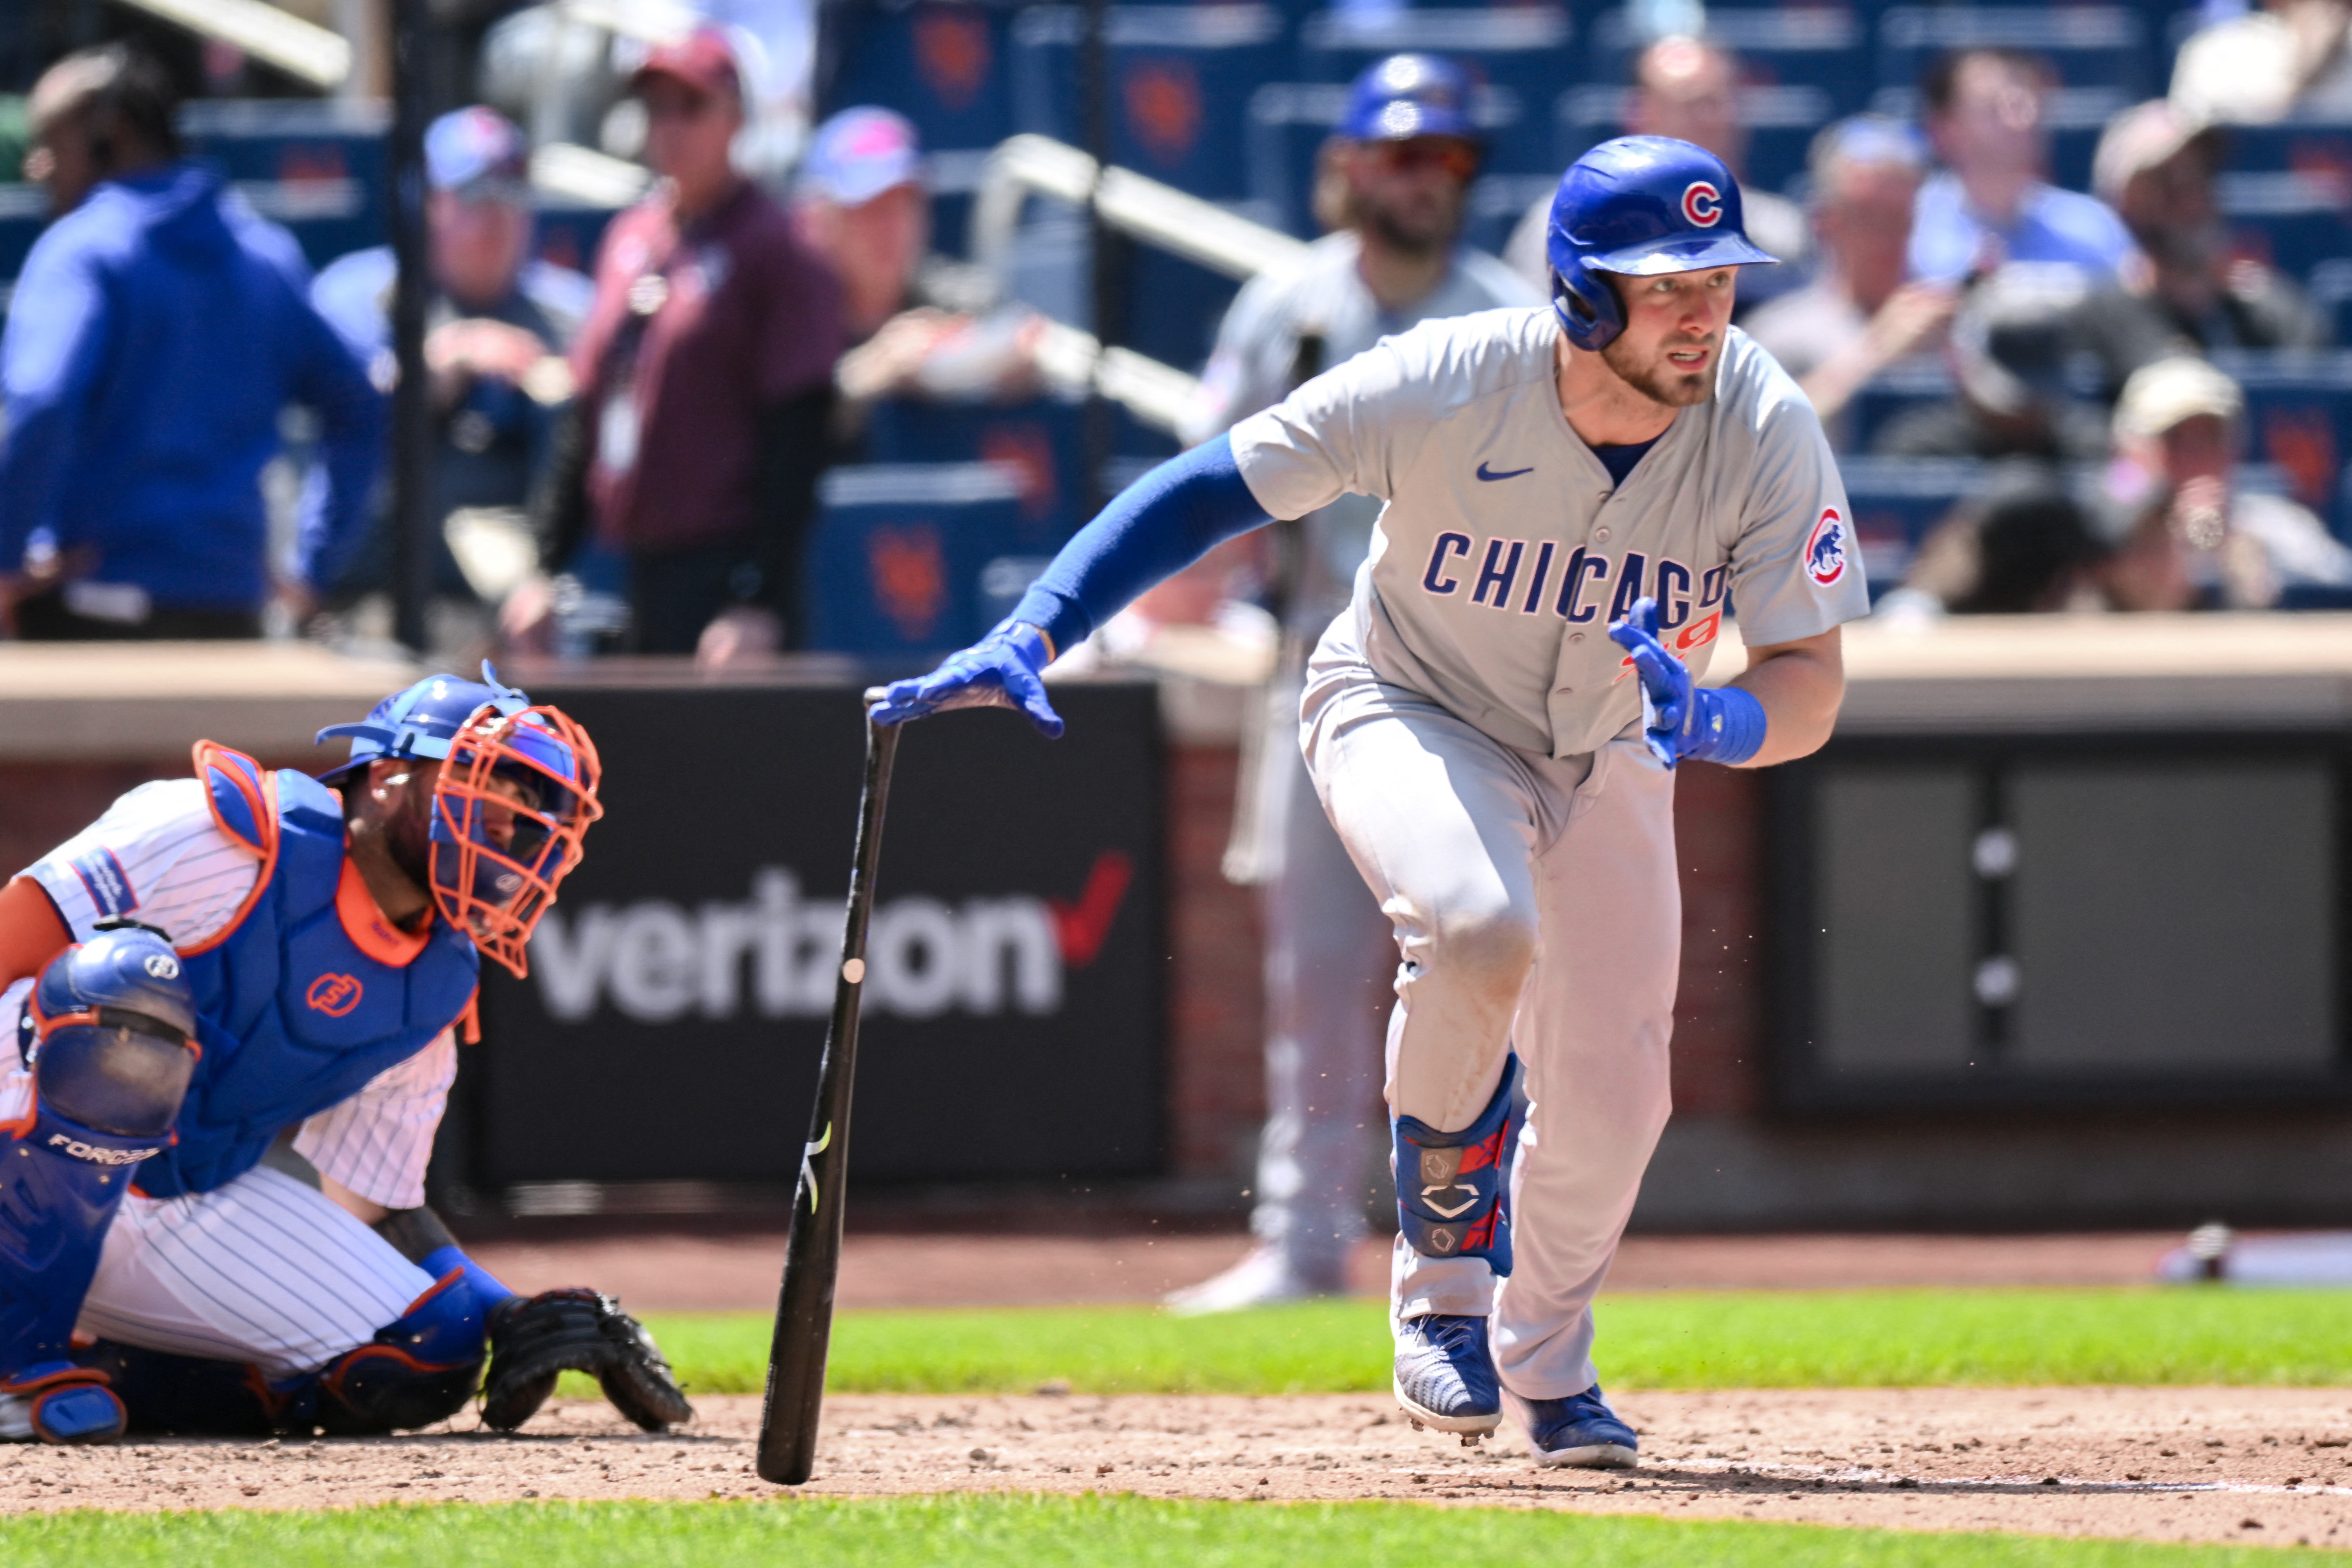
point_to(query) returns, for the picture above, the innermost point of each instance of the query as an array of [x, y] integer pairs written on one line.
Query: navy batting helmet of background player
[[1639, 206]]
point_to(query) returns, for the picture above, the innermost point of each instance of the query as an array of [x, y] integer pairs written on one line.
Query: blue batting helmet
[[1640, 205], [1405, 96]]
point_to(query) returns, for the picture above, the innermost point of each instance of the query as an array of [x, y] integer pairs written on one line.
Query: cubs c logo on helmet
[[1826, 548], [1702, 204]]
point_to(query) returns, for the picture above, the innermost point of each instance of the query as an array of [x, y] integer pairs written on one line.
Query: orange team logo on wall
[[334, 994], [1025, 450], [1163, 106], [320, 160], [910, 577], [952, 53], [2301, 441]]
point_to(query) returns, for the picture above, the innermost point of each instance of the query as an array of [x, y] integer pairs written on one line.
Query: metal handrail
[[1133, 204]]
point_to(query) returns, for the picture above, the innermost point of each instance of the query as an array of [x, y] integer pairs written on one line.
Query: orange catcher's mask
[[515, 797]]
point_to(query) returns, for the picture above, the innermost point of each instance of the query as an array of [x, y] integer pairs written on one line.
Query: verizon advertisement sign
[[678, 994]]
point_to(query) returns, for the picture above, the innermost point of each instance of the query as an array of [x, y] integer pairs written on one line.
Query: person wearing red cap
[[705, 376]]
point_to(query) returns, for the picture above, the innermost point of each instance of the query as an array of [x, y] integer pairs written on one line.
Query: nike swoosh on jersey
[[1514, 473]]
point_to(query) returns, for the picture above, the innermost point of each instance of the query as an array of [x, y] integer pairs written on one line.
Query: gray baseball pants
[[1535, 907]]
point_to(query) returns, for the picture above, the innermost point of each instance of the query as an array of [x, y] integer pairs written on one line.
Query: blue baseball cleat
[[61, 1403], [1579, 1430], [1446, 1375]]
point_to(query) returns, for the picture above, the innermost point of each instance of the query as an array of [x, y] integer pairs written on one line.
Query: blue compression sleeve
[[486, 1289], [1152, 530]]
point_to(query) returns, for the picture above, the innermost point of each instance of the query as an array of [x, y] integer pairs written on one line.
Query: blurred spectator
[[705, 375], [1986, 114], [1858, 316], [157, 332], [2184, 292], [2026, 549], [2288, 58], [2009, 352], [2191, 537], [498, 323], [1406, 154], [860, 203], [1687, 88]]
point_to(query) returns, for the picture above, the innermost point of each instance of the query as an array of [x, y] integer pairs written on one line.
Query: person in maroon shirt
[[705, 375]]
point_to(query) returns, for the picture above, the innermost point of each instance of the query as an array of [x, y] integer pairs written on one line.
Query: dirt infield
[[681, 1273], [2240, 1464]]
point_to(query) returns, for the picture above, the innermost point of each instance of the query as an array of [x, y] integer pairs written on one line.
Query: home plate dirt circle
[[2269, 1466]]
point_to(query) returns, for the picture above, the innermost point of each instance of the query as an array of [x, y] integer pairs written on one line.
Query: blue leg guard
[[108, 1025], [421, 1369], [1450, 1186]]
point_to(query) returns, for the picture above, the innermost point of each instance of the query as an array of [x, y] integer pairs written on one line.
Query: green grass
[[1848, 1339], [987, 1531]]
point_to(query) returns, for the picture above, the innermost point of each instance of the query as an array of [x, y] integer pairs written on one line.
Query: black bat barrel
[[813, 1256]]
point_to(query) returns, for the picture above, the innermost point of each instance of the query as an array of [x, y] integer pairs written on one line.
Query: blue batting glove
[[1679, 719], [1002, 669]]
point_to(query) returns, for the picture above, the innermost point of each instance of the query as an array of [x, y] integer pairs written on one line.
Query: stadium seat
[[320, 166], [901, 553], [1898, 502], [1181, 79], [1923, 379]]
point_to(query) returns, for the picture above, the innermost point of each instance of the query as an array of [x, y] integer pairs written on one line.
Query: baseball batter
[[1575, 500], [1408, 150], [237, 1020]]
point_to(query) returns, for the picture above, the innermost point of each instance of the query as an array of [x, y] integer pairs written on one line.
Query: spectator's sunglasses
[[1457, 158]]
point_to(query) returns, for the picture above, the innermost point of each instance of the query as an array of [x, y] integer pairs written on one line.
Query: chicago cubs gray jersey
[[1505, 549], [1256, 361]]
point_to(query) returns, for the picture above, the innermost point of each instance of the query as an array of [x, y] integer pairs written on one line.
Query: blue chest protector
[[295, 1013]]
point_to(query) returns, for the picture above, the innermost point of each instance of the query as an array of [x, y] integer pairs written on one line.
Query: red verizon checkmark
[[1081, 926]]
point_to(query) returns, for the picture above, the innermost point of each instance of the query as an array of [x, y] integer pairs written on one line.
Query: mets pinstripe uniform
[[1492, 725], [1327, 951], [235, 1003], [266, 1269]]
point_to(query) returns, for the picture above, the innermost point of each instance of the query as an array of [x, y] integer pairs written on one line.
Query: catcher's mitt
[[534, 1339]]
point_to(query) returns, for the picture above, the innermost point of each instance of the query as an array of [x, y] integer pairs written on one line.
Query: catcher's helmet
[[515, 795], [1641, 205], [1406, 96]]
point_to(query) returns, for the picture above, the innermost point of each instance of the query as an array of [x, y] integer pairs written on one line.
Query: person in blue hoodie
[[158, 329]]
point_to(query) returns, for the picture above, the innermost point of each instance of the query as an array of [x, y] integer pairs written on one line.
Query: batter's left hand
[[1003, 670], [1667, 705], [1678, 719]]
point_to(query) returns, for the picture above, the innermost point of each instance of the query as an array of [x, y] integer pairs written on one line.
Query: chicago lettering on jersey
[[657, 961], [1518, 575]]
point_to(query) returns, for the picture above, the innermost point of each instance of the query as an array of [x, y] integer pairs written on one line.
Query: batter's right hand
[[1002, 669]]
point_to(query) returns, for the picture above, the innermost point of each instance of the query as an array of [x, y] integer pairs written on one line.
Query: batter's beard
[[1659, 381]]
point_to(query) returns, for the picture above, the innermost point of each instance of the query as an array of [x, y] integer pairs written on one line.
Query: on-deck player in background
[[1409, 151], [222, 1093], [1574, 498]]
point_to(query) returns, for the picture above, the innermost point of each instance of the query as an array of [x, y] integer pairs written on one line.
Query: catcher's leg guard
[[195, 1397], [1450, 1186], [107, 1034], [421, 1369]]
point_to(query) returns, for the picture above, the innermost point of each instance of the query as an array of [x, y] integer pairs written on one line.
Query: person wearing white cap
[[2185, 293], [860, 203], [2284, 56], [2190, 536]]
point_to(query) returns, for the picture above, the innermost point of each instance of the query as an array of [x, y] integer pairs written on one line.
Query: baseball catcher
[[237, 1000]]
